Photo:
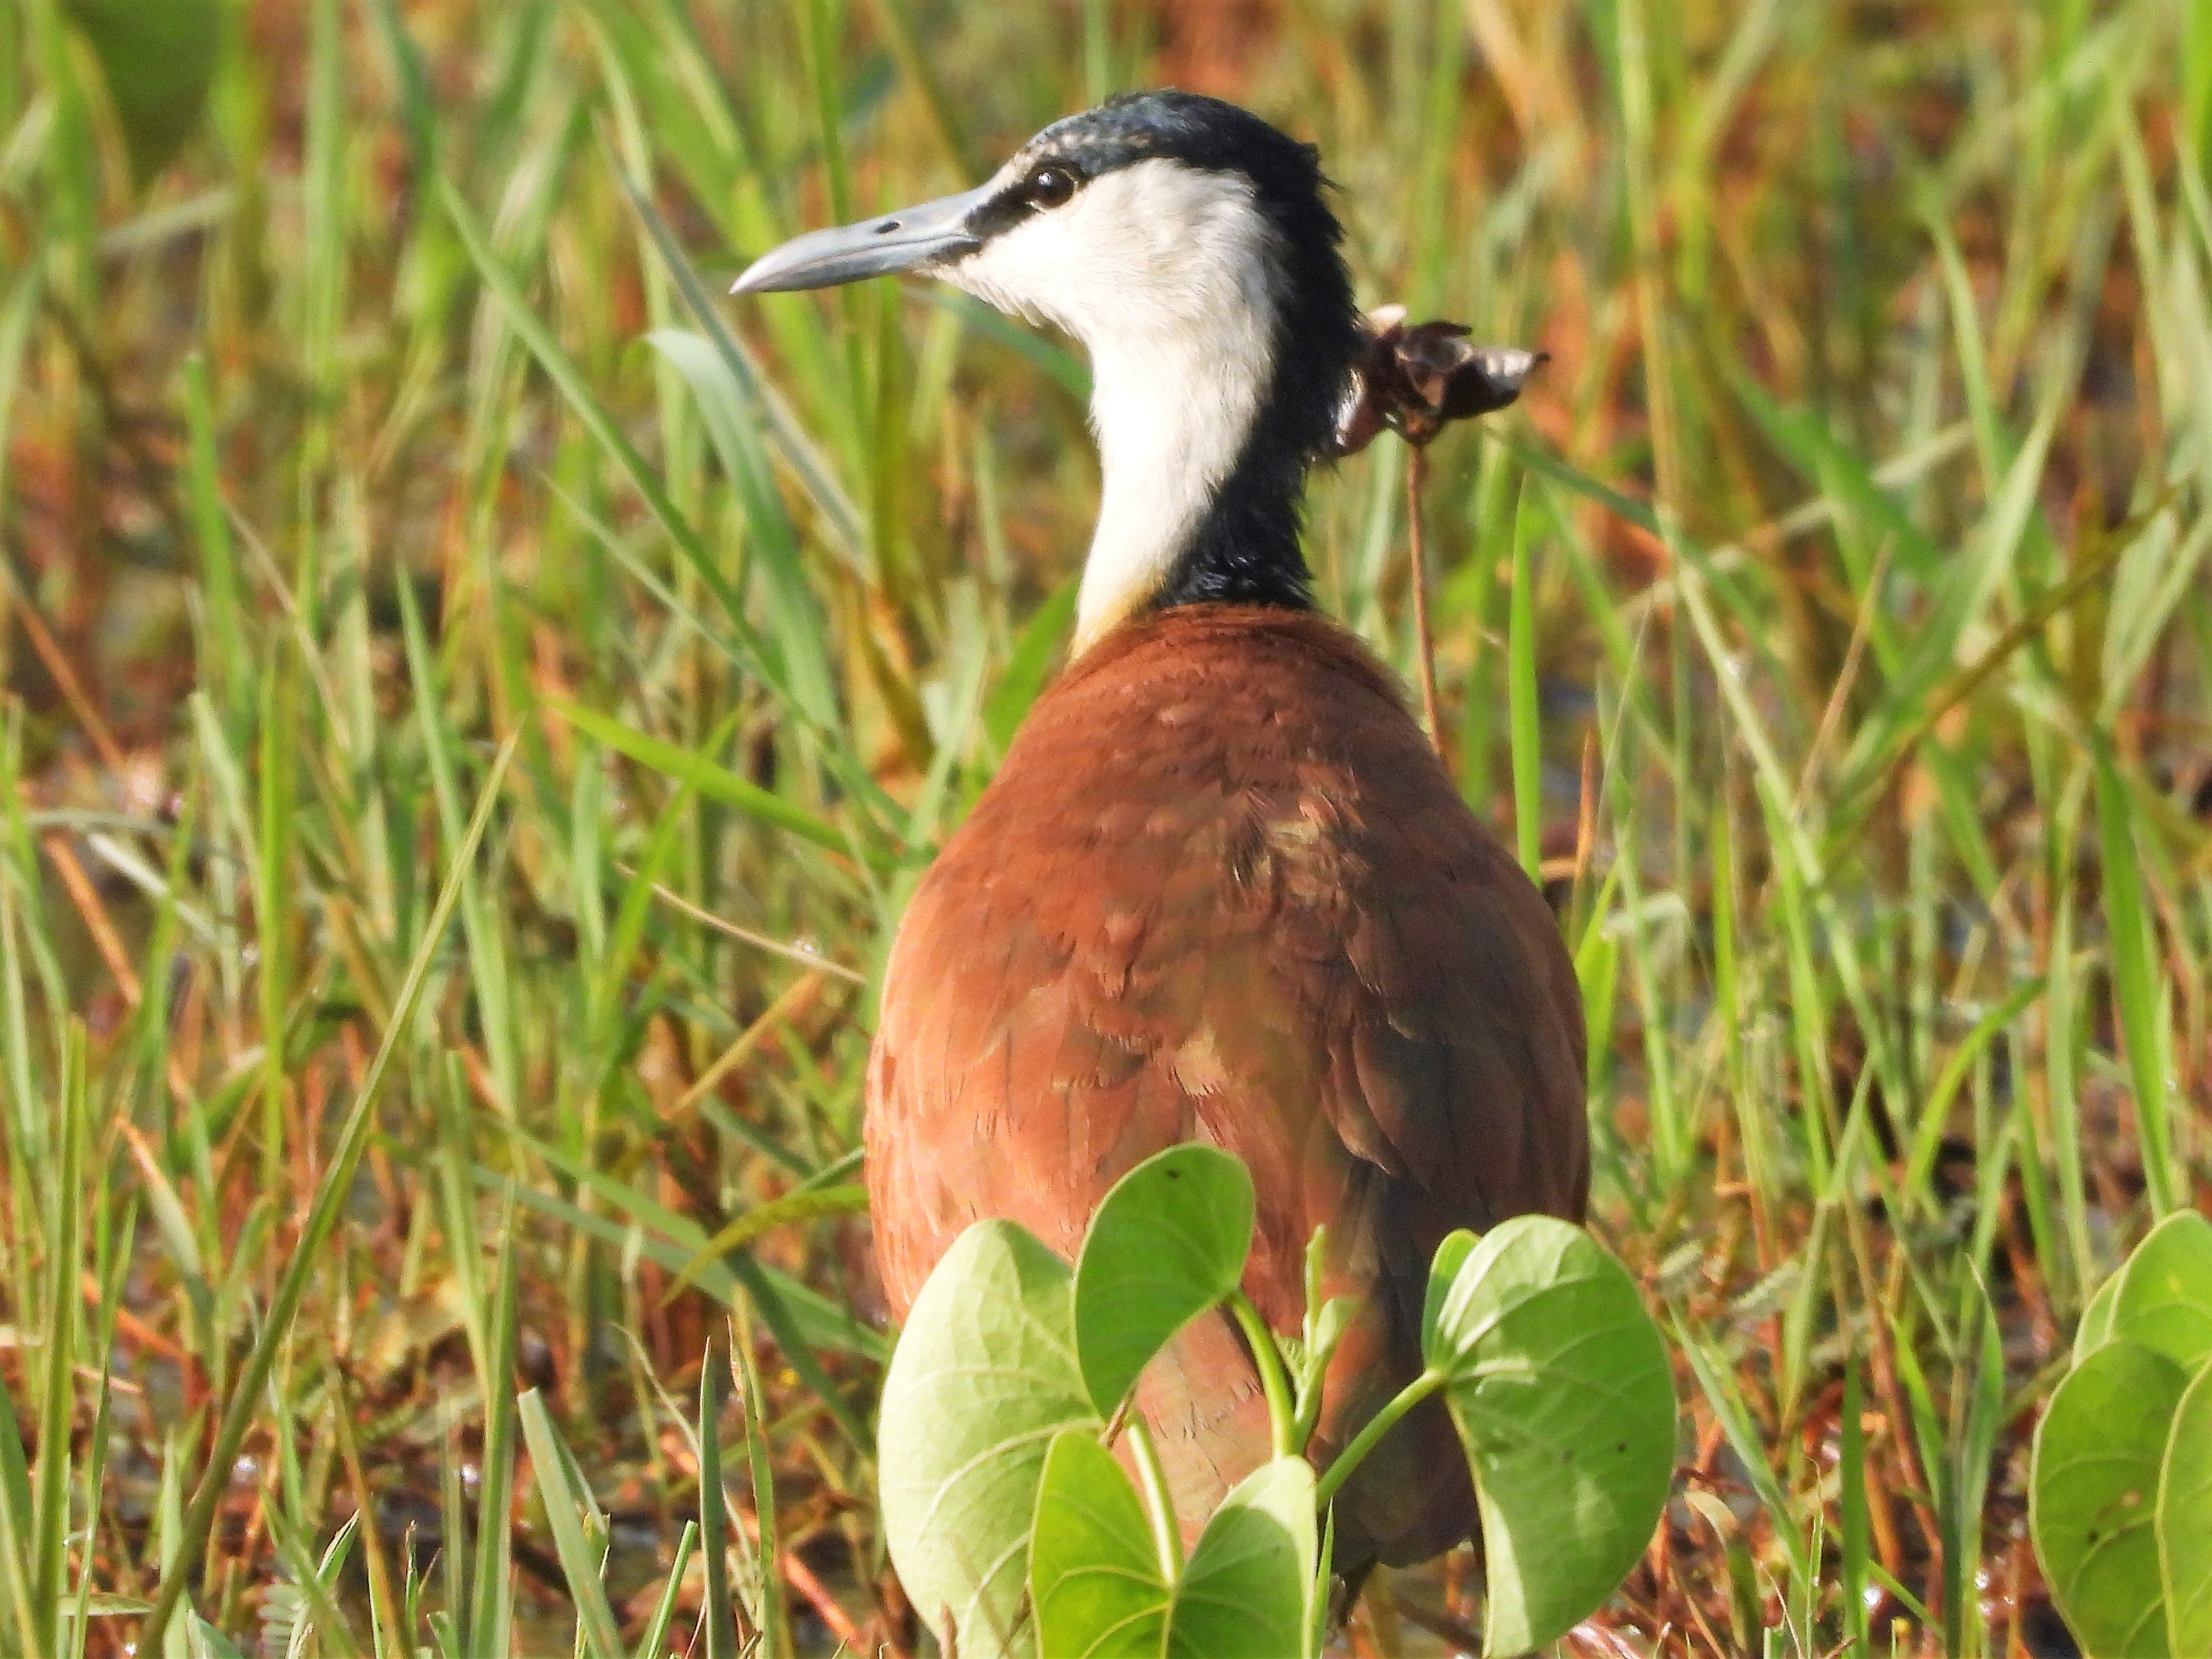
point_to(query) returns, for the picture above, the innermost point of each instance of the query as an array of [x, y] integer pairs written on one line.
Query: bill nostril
[[887, 226]]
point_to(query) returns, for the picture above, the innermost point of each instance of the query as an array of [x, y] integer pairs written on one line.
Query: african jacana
[[1222, 888]]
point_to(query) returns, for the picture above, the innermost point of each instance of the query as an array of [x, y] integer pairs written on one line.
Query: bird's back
[[1222, 889]]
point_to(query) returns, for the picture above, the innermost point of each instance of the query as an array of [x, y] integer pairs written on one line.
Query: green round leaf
[[1094, 1569], [158, 59], [2092, 1506], [2165, 1299], [2096, 1326], [1560, 1386], [1443, 1273], [2185, 1520], [982, 1378], [1245, 1591], [1169, 1242]]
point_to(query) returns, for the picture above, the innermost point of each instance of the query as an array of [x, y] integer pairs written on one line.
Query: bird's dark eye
[[1049, 186]]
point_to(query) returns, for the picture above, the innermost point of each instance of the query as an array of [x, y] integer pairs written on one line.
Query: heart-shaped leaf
[[1243, 1592], [1094, 1569], [983, 1378], [1443, 1273], [1169, 1242], [2185, 1520], [1095, 1573], [2165, 1299], [2096, 1326], [2094, 1504], [1559, 1383]]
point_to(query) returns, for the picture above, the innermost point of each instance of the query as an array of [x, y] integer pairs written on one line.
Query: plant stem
[[1417, 473], [1521, 701], [1312, 1394], [1378, 1425], [1274, 1380], [1167, 1533]]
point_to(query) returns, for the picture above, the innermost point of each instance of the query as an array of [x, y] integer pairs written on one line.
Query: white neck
[[1167, 276], [1171, 412]]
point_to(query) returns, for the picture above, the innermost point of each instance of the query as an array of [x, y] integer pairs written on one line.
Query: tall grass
[[1830, 625]]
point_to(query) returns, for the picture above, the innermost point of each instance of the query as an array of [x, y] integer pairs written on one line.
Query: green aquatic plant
[[1016, 1529]]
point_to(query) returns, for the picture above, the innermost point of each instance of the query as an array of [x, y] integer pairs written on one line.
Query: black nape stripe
[[1246, 549]]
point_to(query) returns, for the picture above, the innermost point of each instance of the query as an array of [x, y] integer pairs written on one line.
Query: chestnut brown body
[[1222, 889]]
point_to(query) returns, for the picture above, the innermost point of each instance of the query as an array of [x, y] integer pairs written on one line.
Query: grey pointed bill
[[912, 239]]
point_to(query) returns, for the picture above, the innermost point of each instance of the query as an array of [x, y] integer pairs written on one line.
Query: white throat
[[1167, 276]]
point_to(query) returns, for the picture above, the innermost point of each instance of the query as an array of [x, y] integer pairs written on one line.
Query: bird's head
[[1186, 244]]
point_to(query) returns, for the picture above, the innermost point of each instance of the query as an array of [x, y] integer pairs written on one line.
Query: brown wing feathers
[[1221, 890]]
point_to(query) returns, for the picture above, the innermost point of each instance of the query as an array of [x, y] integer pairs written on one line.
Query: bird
[[1221, 887]]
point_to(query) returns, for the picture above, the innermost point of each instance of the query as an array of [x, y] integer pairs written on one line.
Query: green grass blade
[[2136, 987], [652, 1641], [64, 1243], [574, 1515], [331, 1197], [715, 782], [770, 1615], [219, 579], [491, 1626], [719, 1616]]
